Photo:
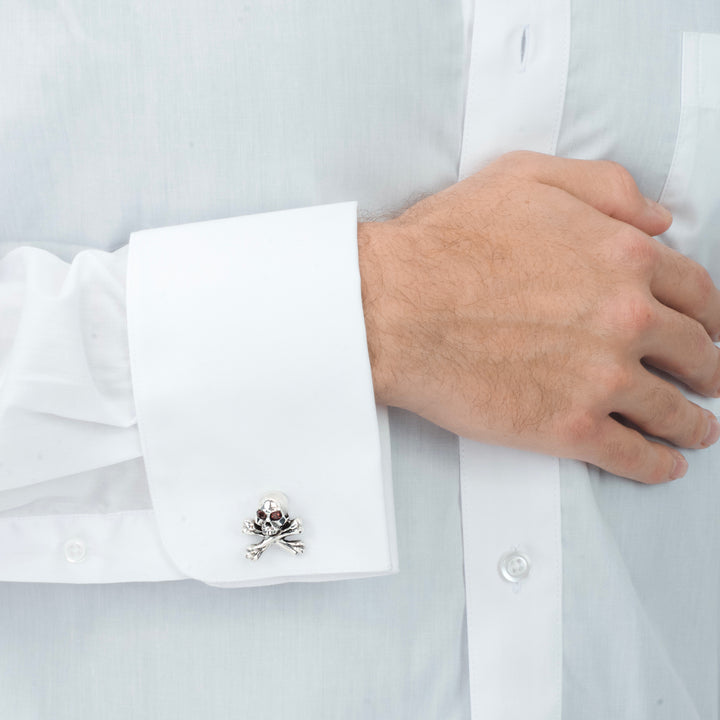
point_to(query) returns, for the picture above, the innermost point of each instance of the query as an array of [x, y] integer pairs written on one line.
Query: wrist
[[374, 271]]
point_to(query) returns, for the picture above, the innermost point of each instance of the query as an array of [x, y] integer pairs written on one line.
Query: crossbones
[[274, 525]]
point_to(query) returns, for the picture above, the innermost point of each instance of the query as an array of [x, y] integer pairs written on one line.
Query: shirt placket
[[518, 62]]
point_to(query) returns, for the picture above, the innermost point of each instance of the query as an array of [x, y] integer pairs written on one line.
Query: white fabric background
[[130, 116]]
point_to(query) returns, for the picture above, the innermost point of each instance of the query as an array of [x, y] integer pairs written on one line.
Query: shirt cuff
[[250, 373]]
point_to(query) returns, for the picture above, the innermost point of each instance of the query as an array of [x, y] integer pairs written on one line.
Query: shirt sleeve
[[231, 356], [66, 403]]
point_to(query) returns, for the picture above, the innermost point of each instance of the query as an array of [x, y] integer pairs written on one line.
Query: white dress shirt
[[107, 479]]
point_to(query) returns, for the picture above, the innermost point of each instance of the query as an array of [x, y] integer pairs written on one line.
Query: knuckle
[[632, 314], [620, 181], [579, 429], [519, 161], [640, 315], [636, 251]]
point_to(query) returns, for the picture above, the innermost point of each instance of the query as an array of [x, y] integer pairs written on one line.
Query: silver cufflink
[[272, 522]]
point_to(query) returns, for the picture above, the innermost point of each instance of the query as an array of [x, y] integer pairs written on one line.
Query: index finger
[[605, 185]]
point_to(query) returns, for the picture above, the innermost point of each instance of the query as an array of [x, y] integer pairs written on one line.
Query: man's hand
[[524, 305]]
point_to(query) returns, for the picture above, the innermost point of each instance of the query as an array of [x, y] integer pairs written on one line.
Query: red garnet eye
[[275, 515], [261, 515]]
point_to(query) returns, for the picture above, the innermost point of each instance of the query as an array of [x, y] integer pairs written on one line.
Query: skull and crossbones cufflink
[[272, 522]]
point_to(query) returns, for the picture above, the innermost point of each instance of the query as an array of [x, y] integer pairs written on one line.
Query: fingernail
[[659, 210], [680, 468], [713, 432]]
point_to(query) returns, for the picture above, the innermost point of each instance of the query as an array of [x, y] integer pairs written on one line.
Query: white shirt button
[[75, 551], [514, 566]]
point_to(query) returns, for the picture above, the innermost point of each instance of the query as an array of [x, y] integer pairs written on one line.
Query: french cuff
[[251, 374]]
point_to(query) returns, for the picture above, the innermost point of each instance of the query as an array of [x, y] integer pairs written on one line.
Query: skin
[[530, 306]]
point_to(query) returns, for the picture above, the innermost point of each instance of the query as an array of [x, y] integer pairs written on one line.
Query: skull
[[271, 516]]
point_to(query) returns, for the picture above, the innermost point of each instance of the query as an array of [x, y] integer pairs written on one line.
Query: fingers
[[681, 347], [677, 281], [606, 186], [625, 452], [687, 287], [660, 409]]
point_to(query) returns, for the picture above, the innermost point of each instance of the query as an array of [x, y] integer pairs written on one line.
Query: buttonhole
[[524, 39]]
